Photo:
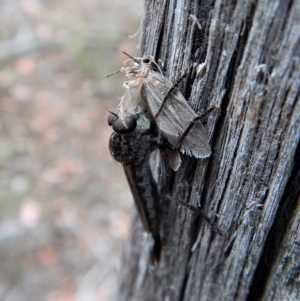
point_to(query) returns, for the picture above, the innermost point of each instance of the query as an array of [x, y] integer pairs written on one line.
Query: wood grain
[[247, 66]]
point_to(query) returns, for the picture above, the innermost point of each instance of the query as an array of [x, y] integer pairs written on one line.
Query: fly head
[[132, 139]]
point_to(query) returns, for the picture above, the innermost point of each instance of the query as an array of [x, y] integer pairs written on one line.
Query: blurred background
[[64, 203]]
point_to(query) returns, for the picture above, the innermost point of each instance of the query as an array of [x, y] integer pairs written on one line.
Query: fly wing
[[176, 116], [133, 151], [146, 199], [130, 173]]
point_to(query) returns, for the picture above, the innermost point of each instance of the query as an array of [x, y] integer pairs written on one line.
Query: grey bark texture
[[246, 56]]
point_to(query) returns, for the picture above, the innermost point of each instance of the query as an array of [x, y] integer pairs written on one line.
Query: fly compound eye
[[112, 118], [126, 126]]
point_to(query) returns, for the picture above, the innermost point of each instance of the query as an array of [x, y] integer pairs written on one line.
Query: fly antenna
[[116, 115], [113, 73], [135, 60], [112, 117], [157, 67]]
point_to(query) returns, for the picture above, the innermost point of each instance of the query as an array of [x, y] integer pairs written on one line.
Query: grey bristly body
[[146, 91], [133, 151]]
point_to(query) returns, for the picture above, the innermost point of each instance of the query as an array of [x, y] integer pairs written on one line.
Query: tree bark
[[246, 56]]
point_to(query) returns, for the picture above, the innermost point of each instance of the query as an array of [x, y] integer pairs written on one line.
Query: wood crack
[[276, 233]]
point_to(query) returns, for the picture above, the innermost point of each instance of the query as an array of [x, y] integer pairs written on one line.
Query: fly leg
[[187, 130], [185, 74], [199, 212]]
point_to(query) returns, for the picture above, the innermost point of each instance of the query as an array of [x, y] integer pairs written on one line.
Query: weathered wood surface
[[248, 63]]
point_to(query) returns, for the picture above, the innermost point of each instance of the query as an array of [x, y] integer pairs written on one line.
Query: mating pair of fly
[[154, 121]]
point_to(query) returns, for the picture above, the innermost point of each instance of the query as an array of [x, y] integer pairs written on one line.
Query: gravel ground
[[64, 203]]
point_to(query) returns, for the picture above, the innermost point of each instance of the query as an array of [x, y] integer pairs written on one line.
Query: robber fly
[[132, 144]]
